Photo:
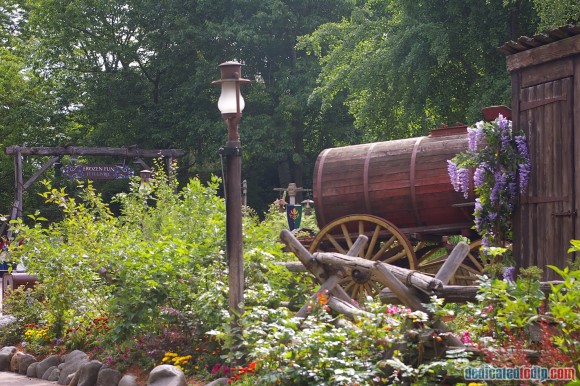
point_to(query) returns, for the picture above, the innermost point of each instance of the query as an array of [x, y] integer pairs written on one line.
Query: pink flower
[[465, 337]]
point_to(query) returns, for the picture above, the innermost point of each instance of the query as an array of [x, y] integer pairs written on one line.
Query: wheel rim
[[386, 244]]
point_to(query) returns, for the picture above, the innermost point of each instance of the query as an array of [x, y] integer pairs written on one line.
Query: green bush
[[163, 256]]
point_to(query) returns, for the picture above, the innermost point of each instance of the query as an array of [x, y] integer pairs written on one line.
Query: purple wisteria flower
[[509, 274], [524, 171], [500, 184], [505, 132], [522, 146], [452, 171], [463, 177], [479, 176], [501, 172], [474, 138]]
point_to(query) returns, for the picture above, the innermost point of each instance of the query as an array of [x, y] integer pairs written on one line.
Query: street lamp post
[[231, 105]]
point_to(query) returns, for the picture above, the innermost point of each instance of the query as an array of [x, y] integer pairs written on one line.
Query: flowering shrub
[[319, 350], [500, 163], [171, 358], [36, 334]]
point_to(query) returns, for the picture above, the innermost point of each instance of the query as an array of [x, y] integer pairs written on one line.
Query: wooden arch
[[19, 152]]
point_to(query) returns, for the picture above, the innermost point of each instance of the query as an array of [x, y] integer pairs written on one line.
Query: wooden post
[[234, 238], [19, 182], [402, 292], [452, 262], [334, 278]]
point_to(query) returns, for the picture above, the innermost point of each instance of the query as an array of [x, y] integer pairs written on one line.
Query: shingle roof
[[525, 43]]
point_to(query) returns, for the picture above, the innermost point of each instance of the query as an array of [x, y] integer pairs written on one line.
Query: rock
[[25, 361], [6, 356], [166, 375], [54, 375], [73, 379], [31, 371], [71, 364], [43, 365], [128, 380], [47, 372], [89, 372], [15, 361], [108, 377], [218, 382]]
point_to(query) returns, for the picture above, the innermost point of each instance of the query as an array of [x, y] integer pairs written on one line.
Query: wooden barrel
[[403, 181]]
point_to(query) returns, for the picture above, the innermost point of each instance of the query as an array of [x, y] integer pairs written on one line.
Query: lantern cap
[[231, 71]]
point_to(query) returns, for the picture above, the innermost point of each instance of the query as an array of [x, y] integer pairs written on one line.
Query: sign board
[[97, 172]]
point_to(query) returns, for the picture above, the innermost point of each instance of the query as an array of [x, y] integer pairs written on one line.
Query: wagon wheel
[[386, 244], [467, 272]]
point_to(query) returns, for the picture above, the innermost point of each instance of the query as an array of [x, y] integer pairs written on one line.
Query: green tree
[[556, 13], [407, 66], [140, 73]]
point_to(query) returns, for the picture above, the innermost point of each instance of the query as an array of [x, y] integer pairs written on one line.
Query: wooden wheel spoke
[[335, 243], [355, 291], [396, 257], [428, 254], [361, 227], [469, 269], [346, 235], [384, 248], [432, 264], [373, 242], [368, 290], [350, 285], [475, 261]]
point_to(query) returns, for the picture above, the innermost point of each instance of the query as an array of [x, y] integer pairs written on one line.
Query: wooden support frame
[[409, 286], [19, 153]]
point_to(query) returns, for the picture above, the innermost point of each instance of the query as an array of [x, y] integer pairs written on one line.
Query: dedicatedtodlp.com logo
[[520, 373]]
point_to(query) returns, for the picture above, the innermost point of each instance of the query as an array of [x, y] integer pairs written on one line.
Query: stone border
[[76, 369]]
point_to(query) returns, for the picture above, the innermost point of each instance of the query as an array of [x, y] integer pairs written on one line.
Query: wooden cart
[[399, 195]]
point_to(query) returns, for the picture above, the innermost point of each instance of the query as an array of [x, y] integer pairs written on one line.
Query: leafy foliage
[[407, 66], [150, 272], [554, 14]]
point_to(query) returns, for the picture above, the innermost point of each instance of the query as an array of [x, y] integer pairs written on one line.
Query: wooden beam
[[96, 151], [452, 262], [556, 50], [404, 293], [19, 181], [40, 171], [416, 279]]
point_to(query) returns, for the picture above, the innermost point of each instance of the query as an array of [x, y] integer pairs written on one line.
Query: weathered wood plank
[[424, 283], [40, 171], [547, 72], [556, 50], [452, 262]]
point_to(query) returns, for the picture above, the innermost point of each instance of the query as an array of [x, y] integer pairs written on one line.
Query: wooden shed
[[545, 73]]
